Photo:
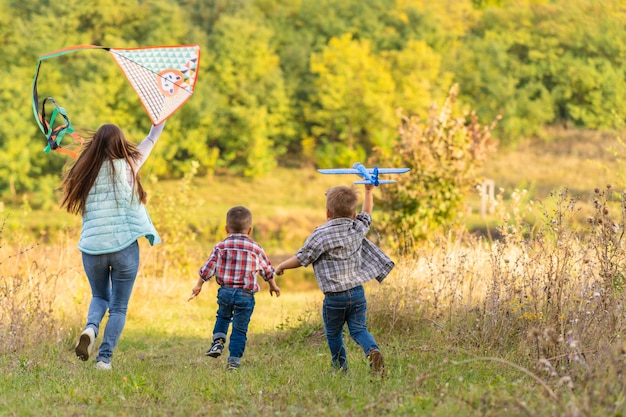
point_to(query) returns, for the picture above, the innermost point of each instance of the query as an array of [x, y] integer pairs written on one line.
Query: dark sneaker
[[340, 367], [85, 344], [232, 366], [216, 348], [377, 364]]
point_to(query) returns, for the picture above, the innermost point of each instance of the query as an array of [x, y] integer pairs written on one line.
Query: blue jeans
[[234, 305], [346, 307], [111, 277]]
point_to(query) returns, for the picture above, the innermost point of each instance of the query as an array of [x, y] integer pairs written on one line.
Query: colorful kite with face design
[[163, 77]]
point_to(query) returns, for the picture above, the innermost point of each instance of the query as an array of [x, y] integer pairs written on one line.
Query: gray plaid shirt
[[342, 257]]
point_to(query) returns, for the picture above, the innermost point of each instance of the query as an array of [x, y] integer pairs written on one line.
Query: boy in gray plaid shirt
[[343, 259]]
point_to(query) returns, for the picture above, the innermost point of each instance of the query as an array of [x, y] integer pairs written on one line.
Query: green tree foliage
[[88, 84], [304, 28], [353, 109], [482, 4], [419, 80], [307, 81], [488, 71], [251, 121], [545, 62], [444, 153], [441, 24]]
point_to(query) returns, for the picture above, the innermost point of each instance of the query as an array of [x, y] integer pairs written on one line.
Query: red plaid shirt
[[235, 262]]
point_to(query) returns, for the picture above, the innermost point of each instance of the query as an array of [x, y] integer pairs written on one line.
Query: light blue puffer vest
[[113, 219]]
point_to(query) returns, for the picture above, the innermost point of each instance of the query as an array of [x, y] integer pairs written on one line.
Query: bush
[[444, 154]]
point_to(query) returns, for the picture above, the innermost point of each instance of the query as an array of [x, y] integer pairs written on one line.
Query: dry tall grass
[[547, 297], [38, 287]]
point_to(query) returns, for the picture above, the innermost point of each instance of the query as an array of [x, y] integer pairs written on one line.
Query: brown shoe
[[377, 364], [85, 344]]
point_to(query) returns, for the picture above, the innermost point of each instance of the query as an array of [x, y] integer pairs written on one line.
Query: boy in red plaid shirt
[[235, 263]]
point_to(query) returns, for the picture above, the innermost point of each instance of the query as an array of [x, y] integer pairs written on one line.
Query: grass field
[[160, 368], [531, 324]]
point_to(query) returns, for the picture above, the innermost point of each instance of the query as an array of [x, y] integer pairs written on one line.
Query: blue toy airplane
[[369, 175]]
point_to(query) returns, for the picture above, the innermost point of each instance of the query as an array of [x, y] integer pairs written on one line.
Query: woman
[[104, 187]]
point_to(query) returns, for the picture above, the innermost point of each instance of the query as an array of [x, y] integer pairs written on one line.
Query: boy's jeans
[[347, 306], [111, 277], [236, 305]]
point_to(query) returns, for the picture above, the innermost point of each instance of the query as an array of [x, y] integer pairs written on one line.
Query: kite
[[368, 175], [163, 77]]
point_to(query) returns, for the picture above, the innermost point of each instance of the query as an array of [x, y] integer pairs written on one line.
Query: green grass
[[160, 370]]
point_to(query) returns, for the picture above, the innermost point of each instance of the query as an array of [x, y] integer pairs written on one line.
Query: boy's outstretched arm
[[274, 289], [368, 199], [290, 263], [196, 290]]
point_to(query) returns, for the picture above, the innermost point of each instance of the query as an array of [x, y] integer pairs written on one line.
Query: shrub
[[444, 154]]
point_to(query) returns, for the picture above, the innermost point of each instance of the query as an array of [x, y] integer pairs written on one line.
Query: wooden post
[[486, 197]]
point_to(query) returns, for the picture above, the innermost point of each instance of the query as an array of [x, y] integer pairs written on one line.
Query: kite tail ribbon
[[53, 135]]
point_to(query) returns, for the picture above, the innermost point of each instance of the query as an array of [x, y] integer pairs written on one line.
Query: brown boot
[[377, 364]]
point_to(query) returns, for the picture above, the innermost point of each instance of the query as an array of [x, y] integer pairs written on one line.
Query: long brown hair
[[106, 144]]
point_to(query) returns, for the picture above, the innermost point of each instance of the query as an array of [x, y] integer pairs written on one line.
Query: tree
[[251, 121], [352, 111], [416, 71], [544, 62]]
